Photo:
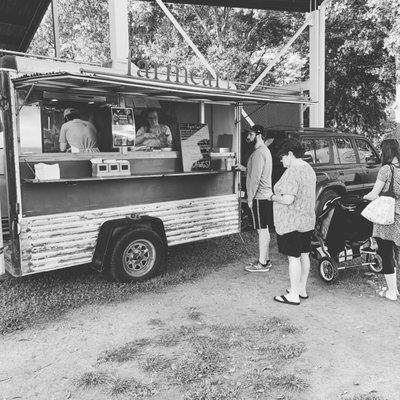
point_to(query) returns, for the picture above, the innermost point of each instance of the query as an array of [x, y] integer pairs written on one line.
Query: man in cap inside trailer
[[77, 135]]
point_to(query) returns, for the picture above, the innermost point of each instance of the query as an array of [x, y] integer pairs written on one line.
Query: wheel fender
[[337, 186], [112, 229]]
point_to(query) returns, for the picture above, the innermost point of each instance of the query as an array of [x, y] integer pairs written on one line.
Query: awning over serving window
[[102, 83]]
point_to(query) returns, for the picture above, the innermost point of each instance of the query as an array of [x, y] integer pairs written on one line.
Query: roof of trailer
[[100, 82], [19, 21]]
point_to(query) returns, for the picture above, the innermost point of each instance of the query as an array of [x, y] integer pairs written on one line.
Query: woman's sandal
[[302, 297], [283, 300]]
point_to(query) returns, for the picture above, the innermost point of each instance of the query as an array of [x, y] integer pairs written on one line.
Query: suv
[[342, 162]]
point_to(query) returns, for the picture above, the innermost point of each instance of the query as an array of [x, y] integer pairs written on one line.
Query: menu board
[[195, 146], [123, 126]]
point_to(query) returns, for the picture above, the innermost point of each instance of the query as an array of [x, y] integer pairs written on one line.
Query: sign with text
[[195, 146], [123, 126], [178, 74]]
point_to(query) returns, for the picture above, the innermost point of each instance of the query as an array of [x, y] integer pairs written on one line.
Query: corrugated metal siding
[[63, 240]]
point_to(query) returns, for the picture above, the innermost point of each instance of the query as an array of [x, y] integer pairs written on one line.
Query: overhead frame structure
[[279, 5], [19, 21]]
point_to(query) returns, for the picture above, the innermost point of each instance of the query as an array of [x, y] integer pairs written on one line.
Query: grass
[[215, 390], [156, 363], [194, 314], [156, 322], [209, 362], [93, 379], [46, 297], [369, 396], [124, 353], [287, 351], [115, 385], [131, 387]]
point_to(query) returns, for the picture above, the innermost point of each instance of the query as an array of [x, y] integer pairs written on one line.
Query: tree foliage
[[84, 31], [362, 47], [360, 72]]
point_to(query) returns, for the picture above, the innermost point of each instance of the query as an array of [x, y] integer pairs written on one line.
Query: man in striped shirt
[[259, 190]]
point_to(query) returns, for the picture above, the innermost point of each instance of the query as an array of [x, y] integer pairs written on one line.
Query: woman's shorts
[[262, 214], [294, 243]]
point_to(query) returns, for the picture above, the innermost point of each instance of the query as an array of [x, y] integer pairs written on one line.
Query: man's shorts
[[294, 243], [262, 214]]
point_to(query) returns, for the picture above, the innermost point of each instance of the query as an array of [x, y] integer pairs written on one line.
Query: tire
[[326, 196], [377, 263], [137, 255], [328, 270]]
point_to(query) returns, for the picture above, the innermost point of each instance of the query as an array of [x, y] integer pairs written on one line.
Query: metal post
[[317, 68], [119, 32], [56, 30], [202, 112]]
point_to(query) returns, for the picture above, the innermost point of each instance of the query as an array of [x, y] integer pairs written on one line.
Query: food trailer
[[119, 208]]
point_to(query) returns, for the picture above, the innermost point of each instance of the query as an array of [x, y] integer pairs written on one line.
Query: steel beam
[[56, 28], [119, 32], [317, 68]]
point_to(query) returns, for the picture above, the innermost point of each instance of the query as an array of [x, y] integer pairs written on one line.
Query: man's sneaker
[[259, 267]]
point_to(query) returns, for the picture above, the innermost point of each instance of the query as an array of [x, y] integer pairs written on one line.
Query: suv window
[[366, 152], [317, 150], [343, 151]]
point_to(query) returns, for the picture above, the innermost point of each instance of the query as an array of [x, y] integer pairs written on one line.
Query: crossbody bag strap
[[392, 180]]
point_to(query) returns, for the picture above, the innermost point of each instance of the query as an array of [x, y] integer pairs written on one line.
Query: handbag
[[381, 210]]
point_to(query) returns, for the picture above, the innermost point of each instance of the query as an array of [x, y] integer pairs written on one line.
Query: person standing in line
[[294, 217], [388, 236], [259, 190]]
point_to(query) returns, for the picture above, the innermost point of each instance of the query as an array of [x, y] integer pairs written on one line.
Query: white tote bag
[[381, 210]]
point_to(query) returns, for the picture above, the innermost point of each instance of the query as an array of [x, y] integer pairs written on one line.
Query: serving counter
[[155, 177]]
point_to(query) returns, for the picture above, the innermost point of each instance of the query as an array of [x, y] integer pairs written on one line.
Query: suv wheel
[[326, 196]]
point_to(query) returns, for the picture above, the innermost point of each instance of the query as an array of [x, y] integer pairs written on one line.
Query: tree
[[237, 42], [84, 32], [386, 14], [362, 48], [360, 72]]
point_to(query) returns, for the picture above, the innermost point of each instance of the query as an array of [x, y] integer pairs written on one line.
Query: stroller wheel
[[376, 261], [328, 269]]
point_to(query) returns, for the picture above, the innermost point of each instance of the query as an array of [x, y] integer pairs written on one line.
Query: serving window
[[40, 122], [143, 130]]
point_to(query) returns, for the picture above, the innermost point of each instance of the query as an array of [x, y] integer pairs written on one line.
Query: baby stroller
[[342, 234]]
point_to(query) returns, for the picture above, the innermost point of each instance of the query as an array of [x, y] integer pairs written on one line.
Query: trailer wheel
[[376, 261], [328, 270], [137, 256]]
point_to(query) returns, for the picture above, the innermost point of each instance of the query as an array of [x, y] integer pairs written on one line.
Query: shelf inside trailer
[[105, 178]]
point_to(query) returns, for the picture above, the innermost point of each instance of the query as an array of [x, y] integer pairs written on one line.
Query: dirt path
[[352, 337]]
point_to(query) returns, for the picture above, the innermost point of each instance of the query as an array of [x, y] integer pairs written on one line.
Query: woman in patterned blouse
[[294, 216]]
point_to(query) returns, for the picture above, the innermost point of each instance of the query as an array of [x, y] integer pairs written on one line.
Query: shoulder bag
[[381, 210]]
